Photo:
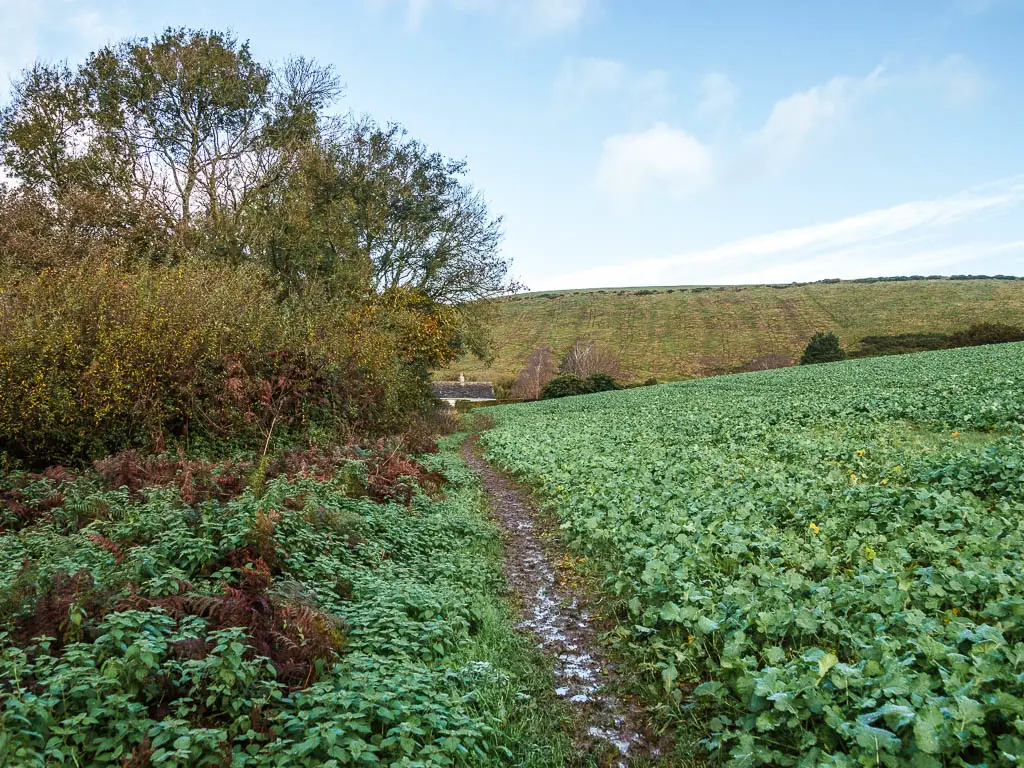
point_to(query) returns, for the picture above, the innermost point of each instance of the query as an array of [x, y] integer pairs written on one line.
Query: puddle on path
[[554, 613]]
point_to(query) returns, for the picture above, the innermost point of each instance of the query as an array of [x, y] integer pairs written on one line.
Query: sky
[[658, 142]]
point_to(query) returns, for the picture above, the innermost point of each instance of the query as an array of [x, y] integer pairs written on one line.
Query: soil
[[555, 612]]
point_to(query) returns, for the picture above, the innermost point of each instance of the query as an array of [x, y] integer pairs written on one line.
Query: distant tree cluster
[[584, 368], [902, 343]]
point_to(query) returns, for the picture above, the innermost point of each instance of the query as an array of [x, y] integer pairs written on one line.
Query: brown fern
[[107, 544]]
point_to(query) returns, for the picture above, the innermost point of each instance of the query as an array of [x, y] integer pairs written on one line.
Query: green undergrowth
[[815, 566], [305, 625]]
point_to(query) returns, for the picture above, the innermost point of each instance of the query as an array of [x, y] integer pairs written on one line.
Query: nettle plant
[[157, 612]]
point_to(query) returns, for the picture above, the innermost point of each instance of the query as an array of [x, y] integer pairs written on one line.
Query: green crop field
[[812, 566], [676, 333]]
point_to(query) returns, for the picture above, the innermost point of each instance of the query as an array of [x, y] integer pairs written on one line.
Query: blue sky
[[643, 142]]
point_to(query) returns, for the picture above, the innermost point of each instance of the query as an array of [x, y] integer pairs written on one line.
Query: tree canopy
[[184, 146]]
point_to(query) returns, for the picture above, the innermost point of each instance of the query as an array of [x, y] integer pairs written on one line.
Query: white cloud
[[718, 95], [795, 120], [587, 79], [672, 159], [660, 157], [915, 236], [957, 80], [549, 16], [22, 23], [539, 17]]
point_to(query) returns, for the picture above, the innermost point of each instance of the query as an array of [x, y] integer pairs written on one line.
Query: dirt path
[[556, 614]]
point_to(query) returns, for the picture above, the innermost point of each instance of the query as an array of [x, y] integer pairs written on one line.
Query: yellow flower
[[956, 434], [813, 527], [885, 482], [860, 452]]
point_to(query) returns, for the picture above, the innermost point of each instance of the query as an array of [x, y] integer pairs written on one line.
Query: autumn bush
[[94, 359]]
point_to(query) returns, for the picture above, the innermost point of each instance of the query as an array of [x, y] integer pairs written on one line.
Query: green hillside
[[674, 333]]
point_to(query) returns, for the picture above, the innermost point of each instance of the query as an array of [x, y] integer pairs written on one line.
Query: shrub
[[986, 333], [93, 359], [96, 360], [822, 348], [600, 382], [765, 363], [563, 386], [900, 343], [570, 384]]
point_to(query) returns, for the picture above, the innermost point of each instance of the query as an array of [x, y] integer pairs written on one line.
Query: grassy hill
[[674, 333]]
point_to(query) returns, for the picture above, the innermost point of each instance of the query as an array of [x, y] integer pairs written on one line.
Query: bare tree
[[541, 367], [767, 362], [585, 358]]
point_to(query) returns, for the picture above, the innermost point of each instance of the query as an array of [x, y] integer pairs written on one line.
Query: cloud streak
[[795, 120], [885, 241]]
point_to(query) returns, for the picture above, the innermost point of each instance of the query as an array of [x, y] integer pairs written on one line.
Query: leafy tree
[[415, 218], [183, 148], [822, 348], [187, 125], [300, 228]]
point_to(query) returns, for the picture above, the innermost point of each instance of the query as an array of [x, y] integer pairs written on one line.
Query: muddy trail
[[555, 612]]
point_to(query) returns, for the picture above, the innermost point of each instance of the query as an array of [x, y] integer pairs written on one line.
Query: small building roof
[[469, 390]]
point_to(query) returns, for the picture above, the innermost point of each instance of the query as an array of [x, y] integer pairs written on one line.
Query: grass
[[678, 333]]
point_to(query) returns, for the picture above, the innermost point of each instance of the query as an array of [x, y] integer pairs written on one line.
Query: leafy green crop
[[426, 668], [824, 563]]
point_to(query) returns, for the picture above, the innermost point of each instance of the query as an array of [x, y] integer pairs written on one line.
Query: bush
[[986, 333], [765, 363], [900, 343], [95, 360], [569, 384], [564, 386], [822, 348], [600, 382]]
